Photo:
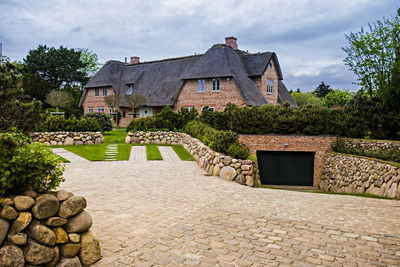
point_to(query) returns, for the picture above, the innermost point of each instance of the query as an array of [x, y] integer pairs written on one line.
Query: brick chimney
[[134, 60], [231, 41]]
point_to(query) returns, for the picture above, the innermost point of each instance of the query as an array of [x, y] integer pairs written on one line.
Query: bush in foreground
[[26, 166]]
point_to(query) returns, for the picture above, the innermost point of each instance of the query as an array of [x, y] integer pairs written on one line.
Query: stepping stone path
[[111, 152]]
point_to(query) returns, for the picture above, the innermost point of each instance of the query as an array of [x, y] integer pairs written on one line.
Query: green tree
[[59, 99], [16, 110], [337, 98], [371, 54], [303, 99], [322, 90], [91, 61]]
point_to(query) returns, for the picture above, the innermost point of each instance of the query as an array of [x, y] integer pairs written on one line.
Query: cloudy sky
[[307, 35]]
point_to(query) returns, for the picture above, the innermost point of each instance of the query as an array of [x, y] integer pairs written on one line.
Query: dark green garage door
[[286, 168]]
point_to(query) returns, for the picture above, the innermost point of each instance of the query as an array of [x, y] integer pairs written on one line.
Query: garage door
[[286, 168]]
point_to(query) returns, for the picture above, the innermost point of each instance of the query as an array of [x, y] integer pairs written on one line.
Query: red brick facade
[[189, 97], [317, 144]]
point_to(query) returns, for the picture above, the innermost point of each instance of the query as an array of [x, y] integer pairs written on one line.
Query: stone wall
[[217, 164], [67, 138], [304, 143], [51, 229], [354, 174], [372, 145]]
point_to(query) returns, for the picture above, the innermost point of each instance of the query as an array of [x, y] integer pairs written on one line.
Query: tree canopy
[[322, 90]]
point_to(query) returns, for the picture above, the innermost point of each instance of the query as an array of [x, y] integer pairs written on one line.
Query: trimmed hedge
[[220, 141], [166, 120], [383, 154], [26, 166], [59, 123], [103, 119]]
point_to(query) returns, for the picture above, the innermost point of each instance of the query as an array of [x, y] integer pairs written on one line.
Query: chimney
[[231, 41], [134, 60]]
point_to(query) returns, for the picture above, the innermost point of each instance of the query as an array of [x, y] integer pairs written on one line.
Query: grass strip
[[153, 153], [182, 153], [64, 160]]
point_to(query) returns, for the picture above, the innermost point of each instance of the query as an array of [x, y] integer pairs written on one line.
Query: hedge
[[220, 141], [59, 123], [27, 166], [103, 119]]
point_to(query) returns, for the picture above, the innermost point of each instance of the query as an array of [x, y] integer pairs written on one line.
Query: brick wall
[[261, 83], [189, 97], [317, 144]]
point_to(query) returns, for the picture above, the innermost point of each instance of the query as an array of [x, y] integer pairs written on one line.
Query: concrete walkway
[[168, 153], [73, 158], [170, 214], [138, 153]]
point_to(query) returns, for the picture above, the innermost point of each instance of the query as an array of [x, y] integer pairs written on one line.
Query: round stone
[[72, 206], [23, 203], [21, 222], [9, 213], [79, 223], [37, 254], [11, 256], [4, 225], [90, 250], [70, 250], [46, 206], [41, 233]]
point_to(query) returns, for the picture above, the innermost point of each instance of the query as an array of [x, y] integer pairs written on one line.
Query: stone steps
[[111, 153]]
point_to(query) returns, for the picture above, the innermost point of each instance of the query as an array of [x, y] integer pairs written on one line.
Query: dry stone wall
[[371, 145], [353, 174], [241, 171], [67, 138], [52, 229]]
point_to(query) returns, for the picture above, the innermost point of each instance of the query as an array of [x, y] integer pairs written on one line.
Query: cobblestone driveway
[[169, 214]]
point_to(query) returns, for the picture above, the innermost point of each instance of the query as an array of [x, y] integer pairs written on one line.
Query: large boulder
[[46, 206], [41, 233], [9, 213], [228, 173], [69, 262], [72, 206], [70, 250], [37, 254], [4, 225], [79, 223], [11, 256], [68, 141], [23, 203], [20, 223], [90, 250]]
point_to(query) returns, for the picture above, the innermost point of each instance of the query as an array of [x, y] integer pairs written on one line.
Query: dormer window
[[130, 90]]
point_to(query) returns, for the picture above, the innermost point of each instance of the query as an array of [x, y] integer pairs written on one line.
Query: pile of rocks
[[67, 138], [352, 174], [51, 229], [217, 164]]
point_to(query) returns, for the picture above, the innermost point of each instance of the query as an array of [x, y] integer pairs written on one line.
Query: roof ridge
[[163, 60]]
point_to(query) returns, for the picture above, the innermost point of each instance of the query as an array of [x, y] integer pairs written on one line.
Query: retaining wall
[[67, 138], [354, 174]]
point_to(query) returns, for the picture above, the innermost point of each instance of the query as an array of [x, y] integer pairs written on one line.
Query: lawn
[[153, 153], [97, 152], [182, 153]]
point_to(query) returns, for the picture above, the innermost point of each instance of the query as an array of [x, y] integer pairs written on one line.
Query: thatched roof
[[285, 96], [161, 81]]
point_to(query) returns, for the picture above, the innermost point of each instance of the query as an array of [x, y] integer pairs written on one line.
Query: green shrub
[[59, 123], [238, 151], [103, 119], [142, 124], [25, 166]]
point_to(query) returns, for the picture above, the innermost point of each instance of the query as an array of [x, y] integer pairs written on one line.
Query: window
[[207, 107], [270, 87], [201, 86], [188, 108], [90, 110], [130, 90], [270, 65], [96, 92], [110, 111], [100, 110], [216, 85], [104, 91]]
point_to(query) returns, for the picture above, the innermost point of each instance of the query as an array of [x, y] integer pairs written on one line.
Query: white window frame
[[90, 110], [270, 87], [110, 111], [189, 108], [201, 86], [100, 110], [96, 92], [130, 90], [104, 91], [216, 85]]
